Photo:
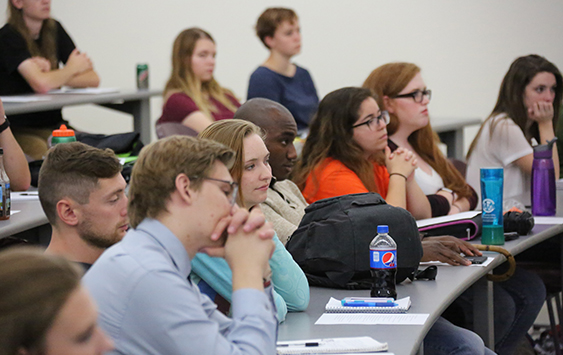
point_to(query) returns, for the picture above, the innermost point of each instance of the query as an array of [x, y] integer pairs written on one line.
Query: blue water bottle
[[543, 181], [491, 203]]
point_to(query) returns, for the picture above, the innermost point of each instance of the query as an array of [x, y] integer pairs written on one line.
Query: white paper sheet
[[548, 220], [454, 217], [24, 98], [373, 318], [439, 263]]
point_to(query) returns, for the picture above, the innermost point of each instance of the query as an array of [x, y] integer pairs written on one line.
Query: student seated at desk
[[15, 162], [82, 193], [527, 110], [192, 96], [32, 46], [285, 206], [346, 152], [182, 201], [403, 93], [43, 307], [252, 172], [278, 78]]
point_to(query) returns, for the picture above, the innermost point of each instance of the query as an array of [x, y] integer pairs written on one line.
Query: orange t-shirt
[[335, 179]]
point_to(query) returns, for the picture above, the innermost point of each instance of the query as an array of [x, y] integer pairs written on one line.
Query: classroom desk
[[431, 297], [451, 134], [31, 215], [134, 102]]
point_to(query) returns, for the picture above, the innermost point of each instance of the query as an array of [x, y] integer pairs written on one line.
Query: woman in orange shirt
[[346, 152]]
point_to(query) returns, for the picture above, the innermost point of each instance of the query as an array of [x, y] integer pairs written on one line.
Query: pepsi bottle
[[383, 264]]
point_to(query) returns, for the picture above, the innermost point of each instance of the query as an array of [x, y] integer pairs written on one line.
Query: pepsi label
[[383, 259]]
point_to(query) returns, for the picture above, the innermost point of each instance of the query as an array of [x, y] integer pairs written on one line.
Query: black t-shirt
[[13, 51]]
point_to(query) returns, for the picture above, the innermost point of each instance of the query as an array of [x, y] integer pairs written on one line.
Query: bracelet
[[399, 174], [4, 126]]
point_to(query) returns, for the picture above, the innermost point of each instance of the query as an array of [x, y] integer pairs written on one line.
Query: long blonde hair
[[48, 34], [232, 133], [183, 79]]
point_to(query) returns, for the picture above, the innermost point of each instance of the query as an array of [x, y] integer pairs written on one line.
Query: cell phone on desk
[[476, 259]]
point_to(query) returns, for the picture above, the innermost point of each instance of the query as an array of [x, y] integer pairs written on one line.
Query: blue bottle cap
[[383, 229]]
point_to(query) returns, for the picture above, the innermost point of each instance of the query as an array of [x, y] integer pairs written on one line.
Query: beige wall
[[463, 48]]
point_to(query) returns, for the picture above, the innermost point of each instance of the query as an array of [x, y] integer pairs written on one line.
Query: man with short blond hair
[[182, 201]]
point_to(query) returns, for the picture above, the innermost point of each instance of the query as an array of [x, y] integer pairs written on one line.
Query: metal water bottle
[[543, 180]]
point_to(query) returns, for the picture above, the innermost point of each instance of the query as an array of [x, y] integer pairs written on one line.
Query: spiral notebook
[[335, 306], [331, 346]]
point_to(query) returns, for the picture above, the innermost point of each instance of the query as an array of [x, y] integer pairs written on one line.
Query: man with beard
[[82, 193]]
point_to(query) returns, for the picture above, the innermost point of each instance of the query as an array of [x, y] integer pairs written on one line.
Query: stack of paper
[[331, 346]]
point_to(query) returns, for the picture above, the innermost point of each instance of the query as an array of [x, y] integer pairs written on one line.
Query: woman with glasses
[[43, 307], [526, 112], [252, 172], [346, 152], [403, 93]]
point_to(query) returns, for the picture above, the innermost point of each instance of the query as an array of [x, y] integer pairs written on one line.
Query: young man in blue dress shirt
[[181, 200]]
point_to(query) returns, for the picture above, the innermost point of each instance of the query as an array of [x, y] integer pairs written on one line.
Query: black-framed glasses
[[417, 95], [233, 187], [383, 117]]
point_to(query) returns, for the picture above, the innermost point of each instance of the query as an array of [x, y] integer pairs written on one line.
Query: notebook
[[331, 346], [335, 306]]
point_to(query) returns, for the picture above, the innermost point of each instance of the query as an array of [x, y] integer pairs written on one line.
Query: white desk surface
[[58, 101], [431, 297]]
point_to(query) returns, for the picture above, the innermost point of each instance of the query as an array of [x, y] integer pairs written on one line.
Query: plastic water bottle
[[5, 190], [63, 135], [543, 181], [383, 263]]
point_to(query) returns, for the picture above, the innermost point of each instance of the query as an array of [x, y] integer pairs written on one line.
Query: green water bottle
[[63, 135]]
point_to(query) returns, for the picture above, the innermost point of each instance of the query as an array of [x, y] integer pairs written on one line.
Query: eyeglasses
[[416, 95], [383, 117], [233, 187]]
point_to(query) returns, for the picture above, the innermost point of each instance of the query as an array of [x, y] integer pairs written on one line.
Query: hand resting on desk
[[447, 249]]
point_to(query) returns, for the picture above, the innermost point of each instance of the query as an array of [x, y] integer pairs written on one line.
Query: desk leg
[[454, 142], [142, 120], [483, 311], [421, 349], [141, 111]]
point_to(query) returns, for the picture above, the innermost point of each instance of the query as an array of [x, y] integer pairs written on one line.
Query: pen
[[29, 194], [300, 344], [368, 304]]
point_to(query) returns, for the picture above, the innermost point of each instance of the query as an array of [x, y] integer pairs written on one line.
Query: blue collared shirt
[[148, 306]]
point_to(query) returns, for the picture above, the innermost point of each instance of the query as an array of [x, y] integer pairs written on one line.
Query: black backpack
[[331, 244]]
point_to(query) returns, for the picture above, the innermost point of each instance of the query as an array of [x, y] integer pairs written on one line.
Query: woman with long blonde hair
[[403, 93], [253, 174], [37, 55], [192, 96]]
